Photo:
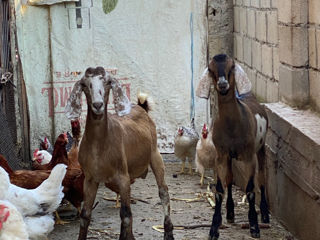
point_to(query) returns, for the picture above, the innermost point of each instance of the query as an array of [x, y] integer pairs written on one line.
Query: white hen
[[39, 228], [12, 226], [205, 153], [185, 143], [43, 200], [41, 156]]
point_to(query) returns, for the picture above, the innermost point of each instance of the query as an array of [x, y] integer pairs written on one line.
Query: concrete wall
[[293, 169]]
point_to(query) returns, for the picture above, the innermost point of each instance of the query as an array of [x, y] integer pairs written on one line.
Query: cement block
[[294, 85], [236, 20], [266, 60], [272, 27], [315, 88], [234, 46], [274, 4], [239, 48], [239, 2], [312, 47], [247, 51], [314, 10], [243, 21], [265, 4], [252, 75], [272, 91], [261, 87], [255, 3], [318, 47], [293, 45], [293, 11], [256, 55], [276, 63], [261, 26], [251, 16], [246, 3]]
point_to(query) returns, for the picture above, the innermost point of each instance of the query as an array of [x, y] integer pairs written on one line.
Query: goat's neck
[[228, 106], [96, 128]]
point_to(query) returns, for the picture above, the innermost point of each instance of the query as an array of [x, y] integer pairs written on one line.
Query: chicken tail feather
[[51, 188]]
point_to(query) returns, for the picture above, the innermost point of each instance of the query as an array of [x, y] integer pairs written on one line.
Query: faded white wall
[[146, 43]]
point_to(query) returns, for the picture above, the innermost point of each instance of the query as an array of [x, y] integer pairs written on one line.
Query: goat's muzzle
[[98, 108], [222, 85]]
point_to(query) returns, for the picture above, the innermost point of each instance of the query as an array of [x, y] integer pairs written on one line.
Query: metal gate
[[8, 128]]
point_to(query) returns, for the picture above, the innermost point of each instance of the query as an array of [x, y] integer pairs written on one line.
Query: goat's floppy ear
[[242, 81], [73, 108], [203, 89], [122, 104]]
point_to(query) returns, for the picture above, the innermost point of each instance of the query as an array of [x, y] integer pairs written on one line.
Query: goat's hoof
[[255, 231], [213, 238], [255, 235], [265, 218], [231, 220], [168, 236]]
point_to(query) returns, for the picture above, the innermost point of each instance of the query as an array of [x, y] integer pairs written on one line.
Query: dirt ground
[[147, 213]]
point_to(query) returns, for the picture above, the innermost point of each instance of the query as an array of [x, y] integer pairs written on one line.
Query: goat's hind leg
[[157, 167], [125, 210], [90, 188], [264, 209]]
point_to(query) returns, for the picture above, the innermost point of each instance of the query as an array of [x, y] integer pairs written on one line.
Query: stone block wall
[[256, 45], [314, 53]]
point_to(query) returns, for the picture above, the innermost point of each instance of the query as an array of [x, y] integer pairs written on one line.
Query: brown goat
[[115, 150], [239, 132]]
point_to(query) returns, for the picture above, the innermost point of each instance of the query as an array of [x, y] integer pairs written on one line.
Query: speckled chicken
[[185, 143], [205, 152]]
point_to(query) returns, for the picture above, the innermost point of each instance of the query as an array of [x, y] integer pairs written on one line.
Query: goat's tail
[[145, 101]]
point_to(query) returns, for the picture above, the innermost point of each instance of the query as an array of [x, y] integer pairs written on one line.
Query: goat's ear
[[242, 81], [73, 108], [122, 104], [203, 89]]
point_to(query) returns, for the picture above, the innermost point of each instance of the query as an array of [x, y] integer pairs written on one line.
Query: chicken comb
[[45, 140], [4, 214], [204, 127], [35, 153], [75, 123]]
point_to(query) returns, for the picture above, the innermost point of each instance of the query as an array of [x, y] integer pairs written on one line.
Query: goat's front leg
[[125, 210], [252, 214], [90, 188], [222, 169], [230, 203], [264, 209], [157, 167]]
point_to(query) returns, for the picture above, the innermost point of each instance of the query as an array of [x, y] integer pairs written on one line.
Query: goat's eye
[[90, 85], [100, 92]]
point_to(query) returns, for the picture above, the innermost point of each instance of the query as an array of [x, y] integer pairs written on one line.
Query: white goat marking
[[261, 131], [97, 90]]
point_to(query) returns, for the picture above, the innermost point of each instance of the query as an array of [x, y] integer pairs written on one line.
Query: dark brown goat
[[115, 150], [239, 132]]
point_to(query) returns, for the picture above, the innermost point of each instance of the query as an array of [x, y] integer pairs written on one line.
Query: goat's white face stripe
[[97, 89], [97, 93], [261, 131]]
